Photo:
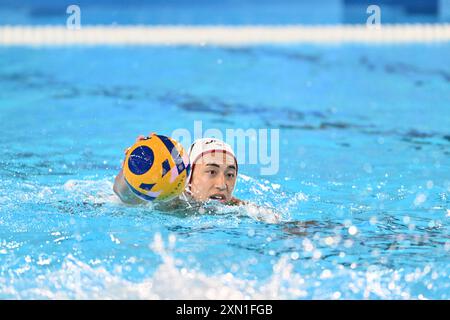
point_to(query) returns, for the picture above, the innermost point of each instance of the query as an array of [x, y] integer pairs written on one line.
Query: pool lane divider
[[222, 35]]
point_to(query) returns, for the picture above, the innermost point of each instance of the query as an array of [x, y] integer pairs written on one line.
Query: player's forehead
[[217, 158]]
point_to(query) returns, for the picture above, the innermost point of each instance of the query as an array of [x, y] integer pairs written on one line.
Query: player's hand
[[139, 138]]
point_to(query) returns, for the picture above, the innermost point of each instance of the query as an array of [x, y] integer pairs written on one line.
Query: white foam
[[222, 35], [267, 215], [171, 280], [92, 191]]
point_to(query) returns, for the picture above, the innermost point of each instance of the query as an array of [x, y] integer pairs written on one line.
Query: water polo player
[[212, 176]]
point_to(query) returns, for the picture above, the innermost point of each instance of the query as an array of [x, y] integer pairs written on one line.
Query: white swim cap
[[207, 145]]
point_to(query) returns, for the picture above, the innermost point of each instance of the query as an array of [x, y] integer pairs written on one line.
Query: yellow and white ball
[[156, 168]]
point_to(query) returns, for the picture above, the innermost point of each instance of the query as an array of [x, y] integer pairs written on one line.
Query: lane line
[[221, 35]]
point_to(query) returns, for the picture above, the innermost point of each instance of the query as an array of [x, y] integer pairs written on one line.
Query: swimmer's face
[[214, 177]]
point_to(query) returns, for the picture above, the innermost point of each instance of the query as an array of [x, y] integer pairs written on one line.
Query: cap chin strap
[[188, 191]]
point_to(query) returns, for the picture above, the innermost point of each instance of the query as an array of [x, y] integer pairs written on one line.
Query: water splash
[[172, 280]]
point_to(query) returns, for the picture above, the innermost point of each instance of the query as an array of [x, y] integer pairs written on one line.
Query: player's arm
[[123, 191]]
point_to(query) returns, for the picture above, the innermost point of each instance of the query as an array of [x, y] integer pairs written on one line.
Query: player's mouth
[[218, 196]]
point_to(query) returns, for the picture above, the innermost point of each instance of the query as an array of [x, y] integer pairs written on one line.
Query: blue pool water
[[222, 12], [363, 185]]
